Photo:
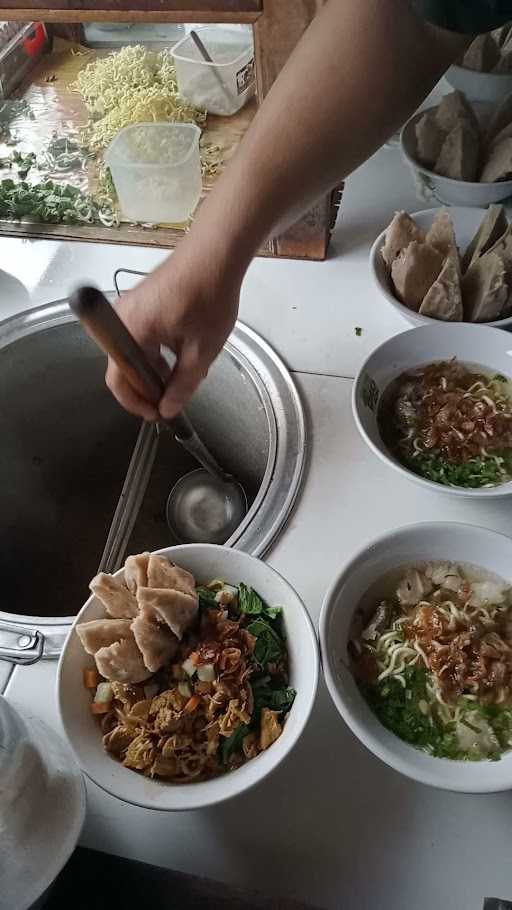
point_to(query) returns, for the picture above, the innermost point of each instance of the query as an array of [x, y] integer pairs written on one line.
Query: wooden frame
[[277, 25]]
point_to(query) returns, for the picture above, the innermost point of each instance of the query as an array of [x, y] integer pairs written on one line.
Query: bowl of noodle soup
[[125, 772], [416, 642], [435, 404]]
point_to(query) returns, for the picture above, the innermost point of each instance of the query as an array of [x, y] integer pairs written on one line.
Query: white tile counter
[[333, 825]]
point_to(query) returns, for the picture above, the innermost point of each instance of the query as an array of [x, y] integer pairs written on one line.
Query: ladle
[[204, 506]]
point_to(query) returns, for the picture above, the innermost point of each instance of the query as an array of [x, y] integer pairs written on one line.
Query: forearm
[[360, 70]]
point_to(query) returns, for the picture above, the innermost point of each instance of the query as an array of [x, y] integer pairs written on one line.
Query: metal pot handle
[[20, 645]]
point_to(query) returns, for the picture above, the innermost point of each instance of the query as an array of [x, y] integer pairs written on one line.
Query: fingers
[[191, 368], [126, 394]]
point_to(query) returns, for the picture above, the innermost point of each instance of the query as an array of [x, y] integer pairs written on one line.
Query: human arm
[[360, 70]]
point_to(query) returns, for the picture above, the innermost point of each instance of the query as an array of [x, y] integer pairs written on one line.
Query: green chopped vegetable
[[269, 645], [50, 202], [206, 597], [276, 699], [65, 154], [249, 602], [478, 472], [10, 110], [398, 710], [232, 744], [274, 612], [358, 330]]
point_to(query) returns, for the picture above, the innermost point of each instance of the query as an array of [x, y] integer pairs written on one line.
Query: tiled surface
[[333, 825]]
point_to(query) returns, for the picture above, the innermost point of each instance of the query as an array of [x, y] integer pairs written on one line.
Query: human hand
[[189, 304]]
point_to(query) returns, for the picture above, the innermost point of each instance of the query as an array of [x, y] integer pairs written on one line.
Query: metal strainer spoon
[[204, 506]]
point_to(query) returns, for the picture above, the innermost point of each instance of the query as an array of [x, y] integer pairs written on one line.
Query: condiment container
[[156, 171], [223, 86]]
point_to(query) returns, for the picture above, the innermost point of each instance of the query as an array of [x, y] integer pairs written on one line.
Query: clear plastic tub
[[223, 86], [156, 171]]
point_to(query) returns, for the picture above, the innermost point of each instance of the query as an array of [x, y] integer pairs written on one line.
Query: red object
[[35, 40]]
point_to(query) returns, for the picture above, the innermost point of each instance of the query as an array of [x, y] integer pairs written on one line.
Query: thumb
[[190, 369]]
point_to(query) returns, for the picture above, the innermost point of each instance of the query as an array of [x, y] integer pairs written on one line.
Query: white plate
[[466, 222]]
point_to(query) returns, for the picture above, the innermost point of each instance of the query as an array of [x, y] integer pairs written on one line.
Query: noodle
[[435, 663], [221, 699], [450, 424]]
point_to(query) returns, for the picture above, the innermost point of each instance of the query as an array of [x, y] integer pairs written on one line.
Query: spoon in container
[[205, 505]]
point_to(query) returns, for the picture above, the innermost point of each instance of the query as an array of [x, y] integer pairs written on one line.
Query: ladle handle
[[104, 326]]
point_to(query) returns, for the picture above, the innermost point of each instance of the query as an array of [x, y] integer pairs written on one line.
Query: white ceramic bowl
[[444, 189], [489, 87], [403, 547], [466, 222], [205, 561], [470, 343]]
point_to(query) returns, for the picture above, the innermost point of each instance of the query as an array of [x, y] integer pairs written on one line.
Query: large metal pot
[[82, 483]]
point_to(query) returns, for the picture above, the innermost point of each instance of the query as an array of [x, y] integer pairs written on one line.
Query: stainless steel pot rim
[[287, 431]]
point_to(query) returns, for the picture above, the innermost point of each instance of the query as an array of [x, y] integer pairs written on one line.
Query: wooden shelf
[[57, 107], [277, 26], [124, 10]]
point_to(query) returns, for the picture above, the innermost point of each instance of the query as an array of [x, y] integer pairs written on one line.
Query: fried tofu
[[414, 272], [460, 153], [171, 607], [118, 601], [444, 298], [399, 234], [485, 289]]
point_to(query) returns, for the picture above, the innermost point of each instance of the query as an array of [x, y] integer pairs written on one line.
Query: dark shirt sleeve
[[470, 17]]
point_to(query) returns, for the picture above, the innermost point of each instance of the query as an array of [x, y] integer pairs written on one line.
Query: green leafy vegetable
[[249, 602], [276, 699], [206, 597], [269, 646], [232, 744], [273, 612]]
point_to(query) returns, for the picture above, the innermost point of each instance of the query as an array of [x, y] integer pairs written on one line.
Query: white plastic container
[[221, 87], [156, 171]]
